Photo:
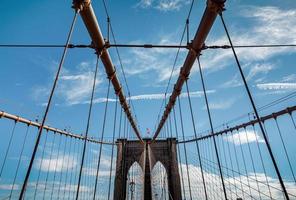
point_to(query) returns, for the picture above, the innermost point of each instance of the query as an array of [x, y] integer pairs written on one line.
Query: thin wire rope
[[75, 152], [120, 119], [68, 163], [8, 148], [179, 154], [50, 160], [255, 110], [285, 149], [211, 125], [184, 146], [176, 58], [112, 151], [212, 154], [208, 161], [47, 108], [195, 133], [55, 167], [245, 183], [237, 165], [273, 103], [262, 162], [62, 167], [19, 161], [41, 164], [226, 163], [292, 119], [252, 162], [102, 137], [118, 55], [77, 168], [244, 160], [87, 126]]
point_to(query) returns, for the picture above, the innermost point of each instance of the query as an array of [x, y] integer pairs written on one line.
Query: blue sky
[[27, 74]]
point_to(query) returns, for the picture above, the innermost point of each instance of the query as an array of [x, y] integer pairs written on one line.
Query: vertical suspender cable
[[179, 154], [285, 149], [55, 167], [68, 162], [255, 111], [47, 107], [19, 161], [50, 158], [252, 161], [184, 146], [112, 151], [102, 137], [212, 128], [75, 150], [41, 163], [62, 166], [7, 150], [196, 142], [87, 128]]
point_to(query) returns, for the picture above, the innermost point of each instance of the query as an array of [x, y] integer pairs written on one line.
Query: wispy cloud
[[58, 164], [221, 105], [155, 96], [74, 85], [155, 62], [163, 5], [269, 25], [243, 137], [276, 86]]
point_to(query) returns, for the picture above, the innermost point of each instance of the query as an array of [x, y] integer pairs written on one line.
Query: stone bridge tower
[[147, 155]]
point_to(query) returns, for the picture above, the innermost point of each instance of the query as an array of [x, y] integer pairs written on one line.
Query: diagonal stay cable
[[102, 137], [87, 126], [255, 110], [47, 107], [176, 57], [211, 125]]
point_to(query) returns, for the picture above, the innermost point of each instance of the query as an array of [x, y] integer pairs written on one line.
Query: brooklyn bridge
[[113, 156]]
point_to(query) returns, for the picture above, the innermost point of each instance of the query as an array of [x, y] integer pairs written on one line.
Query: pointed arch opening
[[135, 182], [159, 181]]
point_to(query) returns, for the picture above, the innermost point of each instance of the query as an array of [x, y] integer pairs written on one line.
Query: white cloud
[[276, 86], [156, 96], [159, 61], [289, 78], [58, 164], [76, 87], [221, 105], [213, 179], [243, 137], [256, 69], [163, 5], [270, 25], [9, 187]]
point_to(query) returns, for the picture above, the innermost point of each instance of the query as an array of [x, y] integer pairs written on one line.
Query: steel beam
[[274, 115], [213, 8], [49, 128], [88, 16]]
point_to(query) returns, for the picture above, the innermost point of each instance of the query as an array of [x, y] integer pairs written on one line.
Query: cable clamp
[[216, 6], [80, 4], [112, 75], [118, 91]]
